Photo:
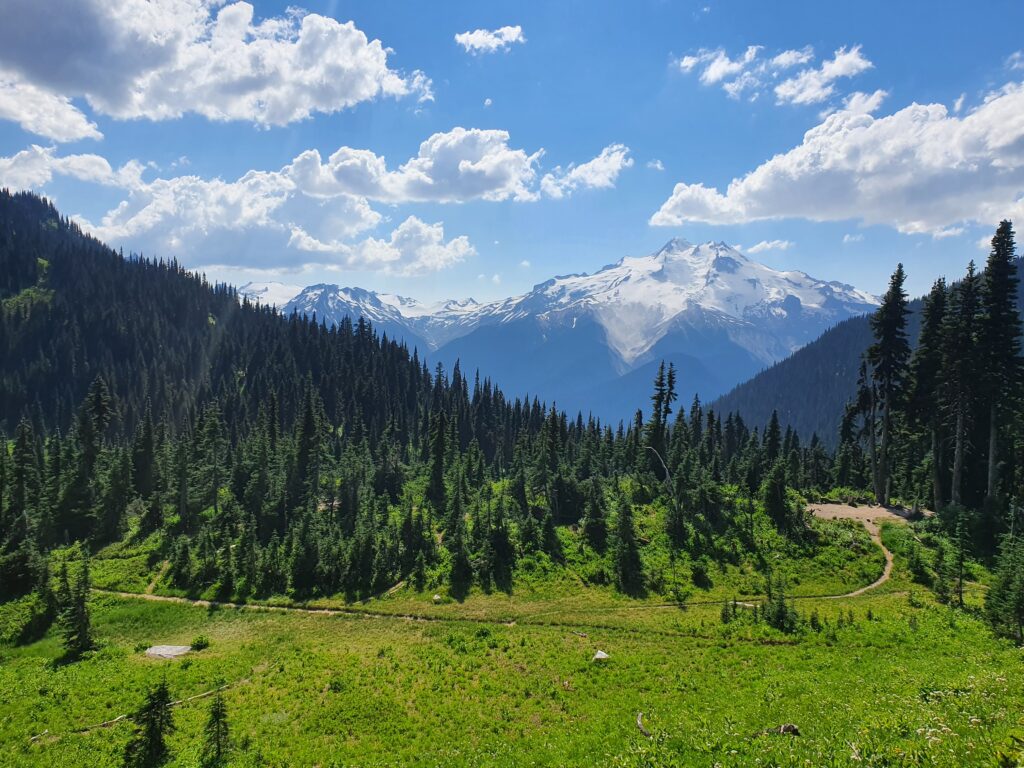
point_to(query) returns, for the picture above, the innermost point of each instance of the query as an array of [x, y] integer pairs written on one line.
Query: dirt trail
[[871, 517]]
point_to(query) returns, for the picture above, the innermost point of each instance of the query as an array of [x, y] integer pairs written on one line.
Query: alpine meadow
[[275, 491]]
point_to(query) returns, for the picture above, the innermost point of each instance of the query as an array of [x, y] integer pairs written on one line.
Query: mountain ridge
[[721, 315]]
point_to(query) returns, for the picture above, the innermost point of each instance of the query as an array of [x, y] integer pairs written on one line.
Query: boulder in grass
[[167, 651], [600, 656], [437, 599]]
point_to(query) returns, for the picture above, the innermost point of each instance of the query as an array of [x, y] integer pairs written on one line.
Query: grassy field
[[907, 682]]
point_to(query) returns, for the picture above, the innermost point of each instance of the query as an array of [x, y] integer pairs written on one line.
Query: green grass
[[913, 686], [507, 679]]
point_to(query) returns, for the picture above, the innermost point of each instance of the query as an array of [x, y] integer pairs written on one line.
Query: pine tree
[[773, 439], [629, 573], [461, 572], [926, 370], [436, 492], [773, 494], [595, 519], [154, 721], [960, 371], [73, 606], [217, 744], [888, 357], [999, 341], [1004, 601]]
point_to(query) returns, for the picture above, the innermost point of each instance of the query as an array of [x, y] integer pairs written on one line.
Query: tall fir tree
[[888, 357], [999, 341]]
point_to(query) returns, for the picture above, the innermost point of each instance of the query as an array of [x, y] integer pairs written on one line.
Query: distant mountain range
[[592, 342]]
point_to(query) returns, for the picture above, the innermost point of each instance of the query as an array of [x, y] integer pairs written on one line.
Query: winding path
[[870, 517]]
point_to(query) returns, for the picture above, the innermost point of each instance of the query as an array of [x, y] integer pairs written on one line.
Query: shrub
[[199, 642]]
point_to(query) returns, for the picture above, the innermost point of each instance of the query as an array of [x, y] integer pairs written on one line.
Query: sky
[[448, 150]]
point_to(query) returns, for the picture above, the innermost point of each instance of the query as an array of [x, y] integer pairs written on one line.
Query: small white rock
[[167, 651], [437, 598], [600, 656]]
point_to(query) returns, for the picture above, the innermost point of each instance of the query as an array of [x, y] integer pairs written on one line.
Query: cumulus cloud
[[865, 103], [919, 170], [656, 165], [600, 173], [490, 40], [749, 72], [457, 166], [43, 113], [852, 238], [414, 247], [812, 86], [770, 245], [265, 218], [161, 59], [33, 167]]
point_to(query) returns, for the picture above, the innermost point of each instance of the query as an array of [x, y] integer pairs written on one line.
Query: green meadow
[[889, 678]]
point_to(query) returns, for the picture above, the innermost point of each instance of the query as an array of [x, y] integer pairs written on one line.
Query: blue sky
[[259, 142]]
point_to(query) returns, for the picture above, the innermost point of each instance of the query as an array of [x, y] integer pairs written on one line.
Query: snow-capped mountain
[[591, 341]]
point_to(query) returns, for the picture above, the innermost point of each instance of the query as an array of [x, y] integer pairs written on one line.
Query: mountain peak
[[675, 245]]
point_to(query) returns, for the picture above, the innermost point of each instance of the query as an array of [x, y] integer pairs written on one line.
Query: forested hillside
[[240, 454], [810, 389], [272, 455]]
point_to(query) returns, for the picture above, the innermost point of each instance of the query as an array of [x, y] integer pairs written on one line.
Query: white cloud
[[460, 165], [33, 167], [488, 102], [490, 41], [719, 66], [792, 58], [161, 59], [1015, 60], [601, 173], [864, 103], [920, 169], [655, 165], [413, 248], [525, 264], [812, 86], [851, 238], [276, 218], [770, 245], [43, 113], [748, 72], [958, 105]]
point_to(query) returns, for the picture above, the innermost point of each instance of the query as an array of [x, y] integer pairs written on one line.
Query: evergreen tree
[[960, 372], [436, 492], [153, 722], [776, 503], [595, 519], [1004, 601], [999, 341], [888, 357], [217, 744], [629, 573], [73, 606], [926, 372], [461, 572], [773, 439]]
